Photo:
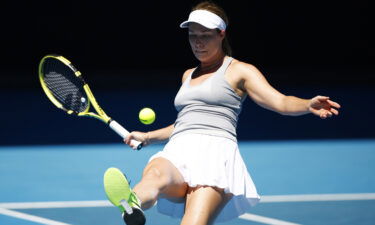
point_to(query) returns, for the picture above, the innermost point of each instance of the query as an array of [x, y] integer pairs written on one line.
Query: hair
[[214, 8]]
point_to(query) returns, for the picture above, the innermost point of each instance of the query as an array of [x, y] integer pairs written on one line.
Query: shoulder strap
[[225, 65], [188, 78]]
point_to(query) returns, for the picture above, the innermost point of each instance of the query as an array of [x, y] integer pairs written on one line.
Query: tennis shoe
[[120, 194]]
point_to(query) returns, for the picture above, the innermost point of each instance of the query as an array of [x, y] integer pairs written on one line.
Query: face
[[205, 43]]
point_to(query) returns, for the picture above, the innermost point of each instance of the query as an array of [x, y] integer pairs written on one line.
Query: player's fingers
[[323, 114], [129, 138], [334, 104], [132, 143], [322, 98], [334, 111]]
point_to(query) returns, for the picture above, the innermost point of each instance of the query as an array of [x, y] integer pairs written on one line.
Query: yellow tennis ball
[[147, 116]]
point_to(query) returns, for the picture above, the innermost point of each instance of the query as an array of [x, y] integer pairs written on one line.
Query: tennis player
[[200, 175]]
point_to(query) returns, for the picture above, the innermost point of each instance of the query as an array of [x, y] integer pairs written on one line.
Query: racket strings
[[65, 86]]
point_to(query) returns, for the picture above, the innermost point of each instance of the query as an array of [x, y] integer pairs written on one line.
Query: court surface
[[301, 182]]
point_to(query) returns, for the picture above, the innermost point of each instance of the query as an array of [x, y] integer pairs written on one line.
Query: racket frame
[[90, 97], [101, 115]]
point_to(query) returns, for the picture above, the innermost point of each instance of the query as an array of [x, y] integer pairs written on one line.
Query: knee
[[152, 172], [156, 175]]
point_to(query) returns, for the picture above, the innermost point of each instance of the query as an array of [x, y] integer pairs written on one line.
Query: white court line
[[104, 203], [317, 197], [50, 205], [265, 220], [29, 217], [264, 199]]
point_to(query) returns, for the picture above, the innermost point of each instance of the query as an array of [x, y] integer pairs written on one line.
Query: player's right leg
[[160, 177], [121, 195]]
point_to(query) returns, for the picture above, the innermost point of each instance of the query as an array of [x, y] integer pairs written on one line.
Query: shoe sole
[[136, 218], [116, 187]]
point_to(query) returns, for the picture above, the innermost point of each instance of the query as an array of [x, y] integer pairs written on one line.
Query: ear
[[222, 34]]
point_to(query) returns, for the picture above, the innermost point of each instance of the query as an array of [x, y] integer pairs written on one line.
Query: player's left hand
[[323, 107]]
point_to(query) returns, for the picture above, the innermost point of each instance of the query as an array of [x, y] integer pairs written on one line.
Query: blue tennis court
[[301, 182]]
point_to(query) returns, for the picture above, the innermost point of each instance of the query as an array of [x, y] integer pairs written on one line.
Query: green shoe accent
[[118, 190]]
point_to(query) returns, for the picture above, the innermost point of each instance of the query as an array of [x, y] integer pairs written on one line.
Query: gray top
[[211, 107]]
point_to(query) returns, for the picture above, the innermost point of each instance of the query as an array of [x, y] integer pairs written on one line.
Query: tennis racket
[[67, 90]]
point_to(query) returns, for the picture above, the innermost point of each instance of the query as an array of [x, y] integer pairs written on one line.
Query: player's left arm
[[255, 84]]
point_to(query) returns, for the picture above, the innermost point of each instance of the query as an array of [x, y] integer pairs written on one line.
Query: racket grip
[[120, 130]]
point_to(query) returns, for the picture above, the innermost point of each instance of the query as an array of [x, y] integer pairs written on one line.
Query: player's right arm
[[160, 135], [150, 137]]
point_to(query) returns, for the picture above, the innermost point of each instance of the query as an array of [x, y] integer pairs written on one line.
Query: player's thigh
[[171, 180], [202, 205]]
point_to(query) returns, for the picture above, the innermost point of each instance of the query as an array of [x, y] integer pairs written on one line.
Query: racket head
[[63, 85]]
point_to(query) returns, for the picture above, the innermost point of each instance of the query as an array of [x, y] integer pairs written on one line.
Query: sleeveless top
[[211, 107]]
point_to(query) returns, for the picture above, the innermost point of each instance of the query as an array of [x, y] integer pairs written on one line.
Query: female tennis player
[[200, 176]]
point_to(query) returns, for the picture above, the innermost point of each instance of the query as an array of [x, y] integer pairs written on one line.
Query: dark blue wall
[[133, 53], [29, 117]]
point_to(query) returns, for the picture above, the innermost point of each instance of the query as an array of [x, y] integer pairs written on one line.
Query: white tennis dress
[[203, 145]]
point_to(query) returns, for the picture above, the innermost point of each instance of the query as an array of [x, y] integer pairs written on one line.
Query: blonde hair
[[214, 8]]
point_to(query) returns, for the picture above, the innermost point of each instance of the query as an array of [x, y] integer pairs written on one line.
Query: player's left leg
[[202, 205]]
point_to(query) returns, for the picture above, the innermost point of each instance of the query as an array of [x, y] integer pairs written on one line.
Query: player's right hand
[[138, 136]]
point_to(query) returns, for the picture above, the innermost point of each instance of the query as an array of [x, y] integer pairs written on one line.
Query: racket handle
[[120, 130]]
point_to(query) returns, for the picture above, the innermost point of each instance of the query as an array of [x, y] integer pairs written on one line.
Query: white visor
[[206, 19]]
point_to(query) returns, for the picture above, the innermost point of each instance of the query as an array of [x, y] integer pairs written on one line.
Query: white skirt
[[212, 161]]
